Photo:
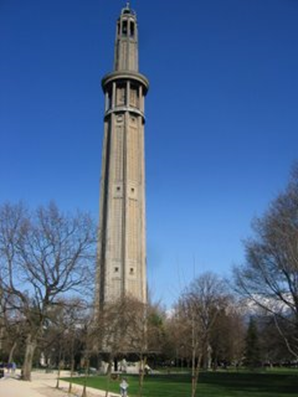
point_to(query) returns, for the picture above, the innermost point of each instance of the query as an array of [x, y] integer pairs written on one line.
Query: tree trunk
[[58, 374], [1, 334], [84, 394], [196, 376], [71, 375], [143, 362], [109, 372], [11, 353], [29, 354]]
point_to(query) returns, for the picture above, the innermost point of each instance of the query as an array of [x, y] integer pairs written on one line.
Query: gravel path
[[43, 385]]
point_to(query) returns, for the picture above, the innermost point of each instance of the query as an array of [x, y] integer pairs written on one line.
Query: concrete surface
[[43, 385]]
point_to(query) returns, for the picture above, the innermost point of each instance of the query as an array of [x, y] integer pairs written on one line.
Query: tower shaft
[[121, 267]]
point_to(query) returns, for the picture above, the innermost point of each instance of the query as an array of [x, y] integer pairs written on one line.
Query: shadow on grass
[[250, 384]]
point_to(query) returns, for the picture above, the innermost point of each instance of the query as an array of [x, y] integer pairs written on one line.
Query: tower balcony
[[125, 92]]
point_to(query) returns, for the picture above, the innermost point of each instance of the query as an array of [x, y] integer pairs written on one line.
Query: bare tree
[[196, 314], [269, 277], [128, 328], [108, 334], [44, 254], [144, 334], [62, 331]]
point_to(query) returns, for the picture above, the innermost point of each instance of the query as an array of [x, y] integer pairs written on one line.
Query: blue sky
[[222, 120]]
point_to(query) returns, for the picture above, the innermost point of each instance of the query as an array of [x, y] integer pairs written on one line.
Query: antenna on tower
[[127, 9]]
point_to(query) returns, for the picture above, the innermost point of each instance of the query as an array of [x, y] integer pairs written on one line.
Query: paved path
[[43, 385]]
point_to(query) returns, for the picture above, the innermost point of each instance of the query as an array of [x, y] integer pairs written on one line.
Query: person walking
[[123, 388], [13, 368]]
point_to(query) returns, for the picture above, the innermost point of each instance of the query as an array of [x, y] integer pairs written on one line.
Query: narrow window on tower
[[120, 100], [118, 28], [124, 28], [134, 96], [132, 29], [108, 99]]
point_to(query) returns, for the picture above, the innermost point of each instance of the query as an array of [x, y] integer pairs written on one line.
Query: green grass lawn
[[220, 384]]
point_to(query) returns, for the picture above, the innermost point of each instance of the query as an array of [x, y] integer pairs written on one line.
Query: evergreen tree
[[252, 357]]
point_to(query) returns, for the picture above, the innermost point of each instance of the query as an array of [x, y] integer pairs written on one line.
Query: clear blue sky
[[222, 117]]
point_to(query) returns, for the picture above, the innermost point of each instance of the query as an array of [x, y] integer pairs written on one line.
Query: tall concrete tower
[[122, 232]]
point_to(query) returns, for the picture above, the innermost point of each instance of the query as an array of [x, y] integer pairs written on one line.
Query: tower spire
[[121, 267], [126, 44]]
